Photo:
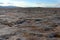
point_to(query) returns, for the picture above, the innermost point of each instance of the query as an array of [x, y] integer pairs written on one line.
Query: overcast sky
[[30, 3]]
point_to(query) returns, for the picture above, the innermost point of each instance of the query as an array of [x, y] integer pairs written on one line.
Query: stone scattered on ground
[[30, 24]]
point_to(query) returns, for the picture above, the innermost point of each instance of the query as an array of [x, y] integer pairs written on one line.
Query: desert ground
[[30, 23]]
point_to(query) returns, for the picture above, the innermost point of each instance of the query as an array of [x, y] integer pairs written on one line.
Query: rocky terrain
[[30, 23]]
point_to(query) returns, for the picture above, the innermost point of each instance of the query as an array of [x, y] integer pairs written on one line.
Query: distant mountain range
[[25, 7], [7, 6]]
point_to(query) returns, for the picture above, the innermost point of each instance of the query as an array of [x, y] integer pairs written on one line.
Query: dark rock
[[38, 19], [54, 35], [18, 39], [20, 22], [2, 39], [38, 35], [48, 29]]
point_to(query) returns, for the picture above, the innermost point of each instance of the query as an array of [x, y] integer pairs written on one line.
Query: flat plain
[[30, 23]]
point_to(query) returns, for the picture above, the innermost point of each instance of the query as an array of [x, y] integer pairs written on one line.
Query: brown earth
[[30, 24]]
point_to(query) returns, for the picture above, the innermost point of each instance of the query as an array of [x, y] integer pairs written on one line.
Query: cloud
[[22, 3], [15, 3], [47, 5], [5, 4]]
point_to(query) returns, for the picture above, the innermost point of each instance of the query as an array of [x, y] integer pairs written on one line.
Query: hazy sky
[[30, 3]]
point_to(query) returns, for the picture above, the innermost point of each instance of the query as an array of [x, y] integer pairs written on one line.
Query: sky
[[30, 3]]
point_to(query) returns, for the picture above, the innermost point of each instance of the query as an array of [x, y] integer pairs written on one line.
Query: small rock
[[18, 39]]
